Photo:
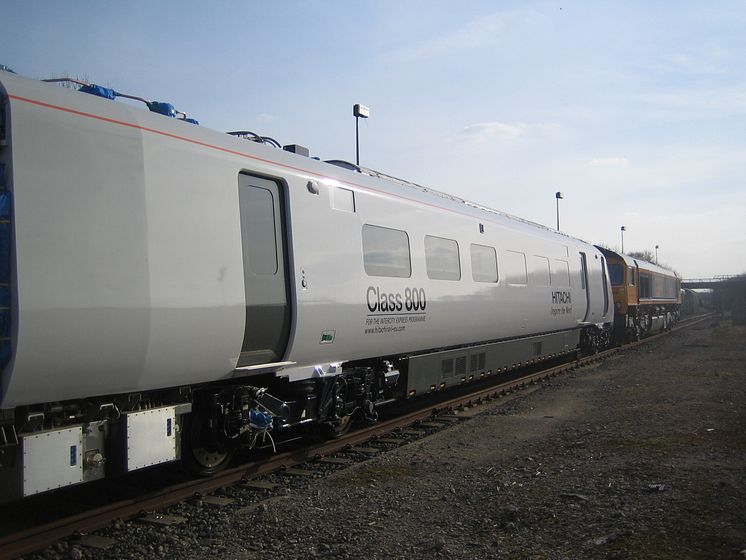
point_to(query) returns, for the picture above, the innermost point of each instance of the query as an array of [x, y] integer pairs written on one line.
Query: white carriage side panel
[[597, 276], [541, 304], [195, 259], [80, 249], [338, 298], [326, 258], [455, 309], [129, 265]]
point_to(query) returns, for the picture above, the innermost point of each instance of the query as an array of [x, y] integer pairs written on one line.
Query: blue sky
[[635, 110]]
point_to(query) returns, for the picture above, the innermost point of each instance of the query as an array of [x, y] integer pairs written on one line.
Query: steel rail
[[36, 538]]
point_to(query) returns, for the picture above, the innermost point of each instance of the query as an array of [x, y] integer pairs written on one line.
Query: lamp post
[[656, 254], [623, 230], [359, 112], [558, 195]]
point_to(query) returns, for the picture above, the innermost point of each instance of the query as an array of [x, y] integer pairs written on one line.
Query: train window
[[515, 264], [540, 275], [560, 273], [645, 288], [386, 252], [442, 258], [631, 276], [259, 234], [657, 286], [616, 274], [483, 263]]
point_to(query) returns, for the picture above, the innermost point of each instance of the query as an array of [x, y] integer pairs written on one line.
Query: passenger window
[[645, 285], [442, 258], [540, 271], [386, 252], [515, 263], [483, 263], [560, 273]]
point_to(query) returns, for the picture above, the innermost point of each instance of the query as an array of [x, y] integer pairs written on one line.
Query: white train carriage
[[167, 284]]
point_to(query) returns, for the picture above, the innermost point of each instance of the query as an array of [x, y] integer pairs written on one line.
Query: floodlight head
[[558, 195], [624, 228], [360, 111]]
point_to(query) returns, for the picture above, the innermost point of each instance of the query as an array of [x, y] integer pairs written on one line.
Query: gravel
[[642, 456]]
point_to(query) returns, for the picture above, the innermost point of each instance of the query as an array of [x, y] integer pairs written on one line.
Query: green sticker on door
[[327, 337]]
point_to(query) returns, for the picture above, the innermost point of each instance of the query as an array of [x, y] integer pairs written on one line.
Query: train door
[[265, 271], [584, 285], [605, 284], [637, 276]]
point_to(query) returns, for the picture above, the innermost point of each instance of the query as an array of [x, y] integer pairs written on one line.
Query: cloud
[[494, 131], [477, 33], [609, 162], [482, 132]]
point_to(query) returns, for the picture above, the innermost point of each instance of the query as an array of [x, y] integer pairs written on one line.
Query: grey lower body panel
[[443, 369]]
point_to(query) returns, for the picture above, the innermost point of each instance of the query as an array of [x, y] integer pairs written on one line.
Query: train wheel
[[340, 417], [595, 345], [199, 454], [332, 431]]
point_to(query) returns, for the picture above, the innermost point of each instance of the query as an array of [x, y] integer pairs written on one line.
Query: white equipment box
[[151, 437], [52, 459]]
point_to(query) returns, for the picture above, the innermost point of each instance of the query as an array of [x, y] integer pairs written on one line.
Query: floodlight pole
[[359, 111], [558, 195], [623, 230], [656, 254]]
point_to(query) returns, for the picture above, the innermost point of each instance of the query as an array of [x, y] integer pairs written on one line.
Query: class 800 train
[[170, 292]]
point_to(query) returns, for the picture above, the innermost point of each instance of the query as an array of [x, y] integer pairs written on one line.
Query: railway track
[[32, 539]]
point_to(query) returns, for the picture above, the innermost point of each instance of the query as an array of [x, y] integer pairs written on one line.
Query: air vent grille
[[477, 361], [446, 367]]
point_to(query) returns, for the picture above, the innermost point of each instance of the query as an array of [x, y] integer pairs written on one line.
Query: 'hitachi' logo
[[561, 298]]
